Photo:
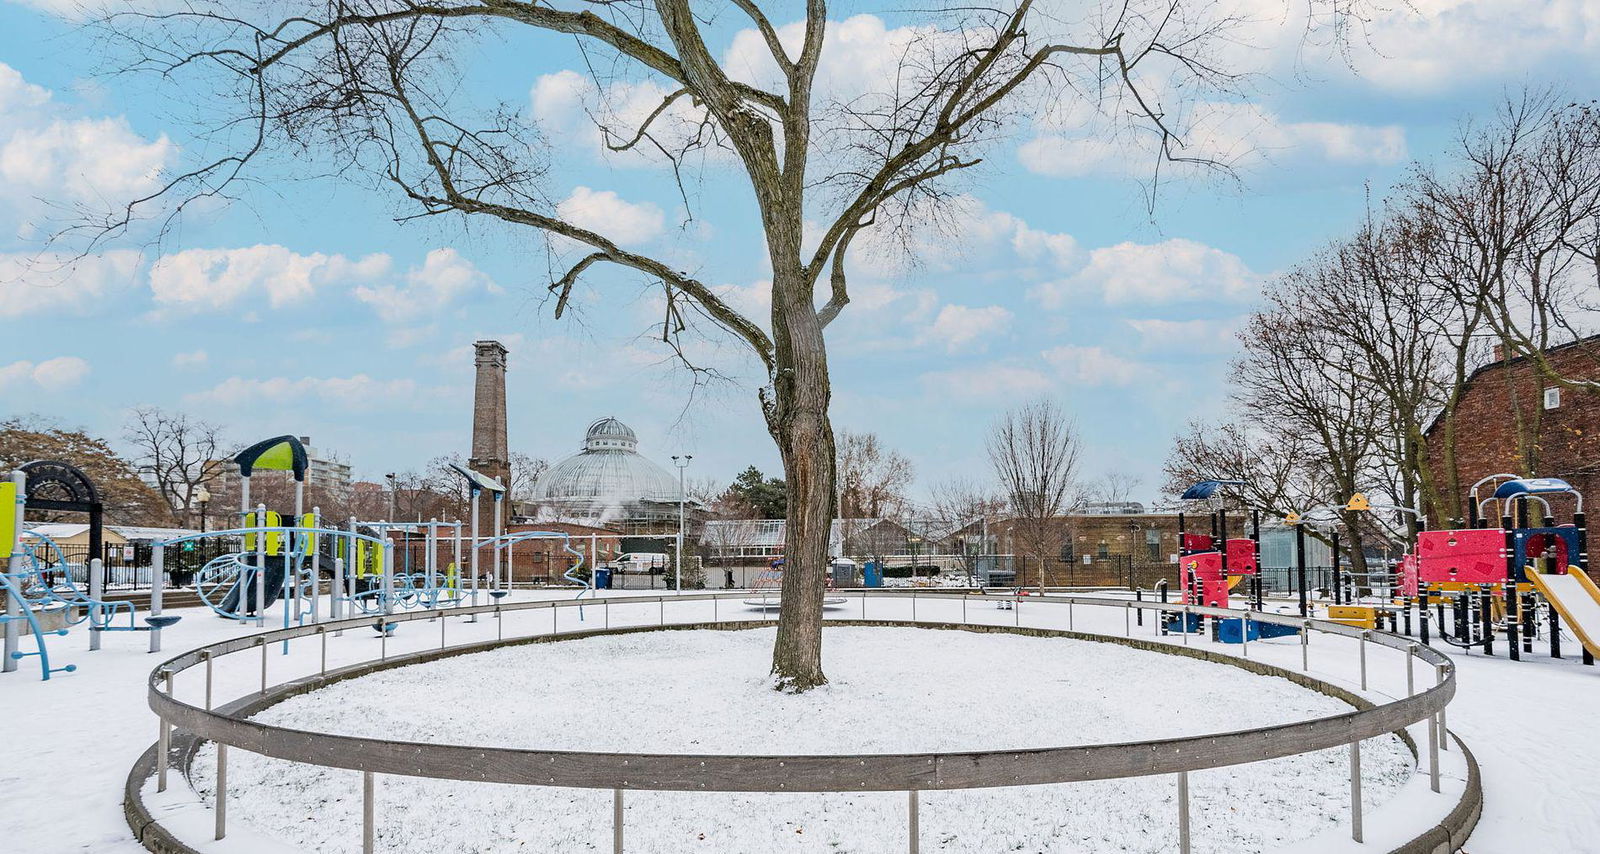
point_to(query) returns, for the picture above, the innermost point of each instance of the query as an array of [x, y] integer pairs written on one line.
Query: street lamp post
[[914, 541], [394, 491], [682, 463], [202, 497]]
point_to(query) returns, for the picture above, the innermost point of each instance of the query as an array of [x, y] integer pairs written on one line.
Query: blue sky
[[303, 307]]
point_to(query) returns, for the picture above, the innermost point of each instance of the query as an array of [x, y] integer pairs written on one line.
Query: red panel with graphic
[[1197, 543], [1242, 556], [1470, 556], [1207, 569], [1408, 575]]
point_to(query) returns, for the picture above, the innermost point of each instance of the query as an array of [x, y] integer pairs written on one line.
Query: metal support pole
[[263, 645], [323, 634], [158, 574], [1184, 630], [616, 821], [163, 742], [1355, 791], [1433, 753], [1411, 676], [206, 654], [1305, 645], [222, 789], [13, 621], [368, 808], [913, 829], [1183, 812], [261, 565], [97, 583], [1444, 730], [1364, 635]]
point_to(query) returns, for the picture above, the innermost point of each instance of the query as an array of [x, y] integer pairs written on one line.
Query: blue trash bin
[[870, 574], [602, 579]]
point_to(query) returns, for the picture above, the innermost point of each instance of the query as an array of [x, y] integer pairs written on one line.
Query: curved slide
[[1576, 598]]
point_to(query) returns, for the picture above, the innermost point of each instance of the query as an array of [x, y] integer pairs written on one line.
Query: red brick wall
[[536, 561], [1568, 439]]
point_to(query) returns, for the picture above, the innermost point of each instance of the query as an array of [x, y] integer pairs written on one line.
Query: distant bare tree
[[178, 454], [970, 507], [872, 477], [1113, 487], [1034, 450], [1275, 466]]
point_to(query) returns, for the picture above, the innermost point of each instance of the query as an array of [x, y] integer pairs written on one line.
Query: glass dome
[[608, 473]]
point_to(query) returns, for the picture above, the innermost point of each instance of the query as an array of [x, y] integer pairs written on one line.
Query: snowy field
[[891, 690], [74, 738]]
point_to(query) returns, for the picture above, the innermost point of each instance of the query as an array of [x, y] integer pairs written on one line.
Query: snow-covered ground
[[74, 737], [891, 690]]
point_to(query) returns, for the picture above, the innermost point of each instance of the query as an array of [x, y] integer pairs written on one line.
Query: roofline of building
[[1505, 363]]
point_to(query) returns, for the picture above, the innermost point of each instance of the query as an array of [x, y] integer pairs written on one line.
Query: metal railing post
[[1355, 791], [1365, 633], [1305, 645], [163, 742], [1433, 753], [1183, 808], [206, 655], [368, 809], [322, 632], [1411, 676], [222, 791], [913, 831], [616, 821], [1444, 731], [263, 644]]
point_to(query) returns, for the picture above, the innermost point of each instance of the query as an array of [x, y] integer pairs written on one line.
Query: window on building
[[1069, 552], [1552, 398], [1104, 551]]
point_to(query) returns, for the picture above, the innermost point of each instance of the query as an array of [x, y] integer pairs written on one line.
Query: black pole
[[1486, 618], [1255, 544], [1338, 582], [1555, 633], [1422, 615], [1300, 565], [1509, 589]]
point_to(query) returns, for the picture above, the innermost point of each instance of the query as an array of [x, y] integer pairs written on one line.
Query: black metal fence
[[126, 566]]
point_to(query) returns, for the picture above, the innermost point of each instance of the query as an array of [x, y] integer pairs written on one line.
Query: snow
[[1578, 605], [891, 690], [74, 738]]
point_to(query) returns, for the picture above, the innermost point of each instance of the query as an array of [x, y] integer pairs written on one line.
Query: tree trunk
[[798, 420]]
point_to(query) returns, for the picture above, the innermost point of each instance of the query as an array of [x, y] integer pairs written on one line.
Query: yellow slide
[[1576, 598]]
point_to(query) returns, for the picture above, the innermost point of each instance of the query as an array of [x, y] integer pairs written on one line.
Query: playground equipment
[[1502, 575], [37, 581], [1212, 565], [769, 583], [1384, 585]]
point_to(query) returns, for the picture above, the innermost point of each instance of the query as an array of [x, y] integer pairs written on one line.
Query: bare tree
[[178, 455], [1276, 466], [1034, 450], [872, 477], [1113, 487], [970, 507], [370, 86]]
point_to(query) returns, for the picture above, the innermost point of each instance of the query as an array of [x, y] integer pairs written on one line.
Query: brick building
[[1506, 399], [535, 561], [1095, 549]]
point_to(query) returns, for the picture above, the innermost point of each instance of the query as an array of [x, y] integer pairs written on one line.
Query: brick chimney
[[489, 452]]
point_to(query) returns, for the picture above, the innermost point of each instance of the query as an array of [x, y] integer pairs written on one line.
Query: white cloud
[[193, 359], [964, 328], [1188, 336], [217, 279], [606, 213], [986, 383], [1176, 270], [1094, 366], [61, 285], [443, 279], [1241, 136], [50, 159], [58, 374], [360, 391]]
